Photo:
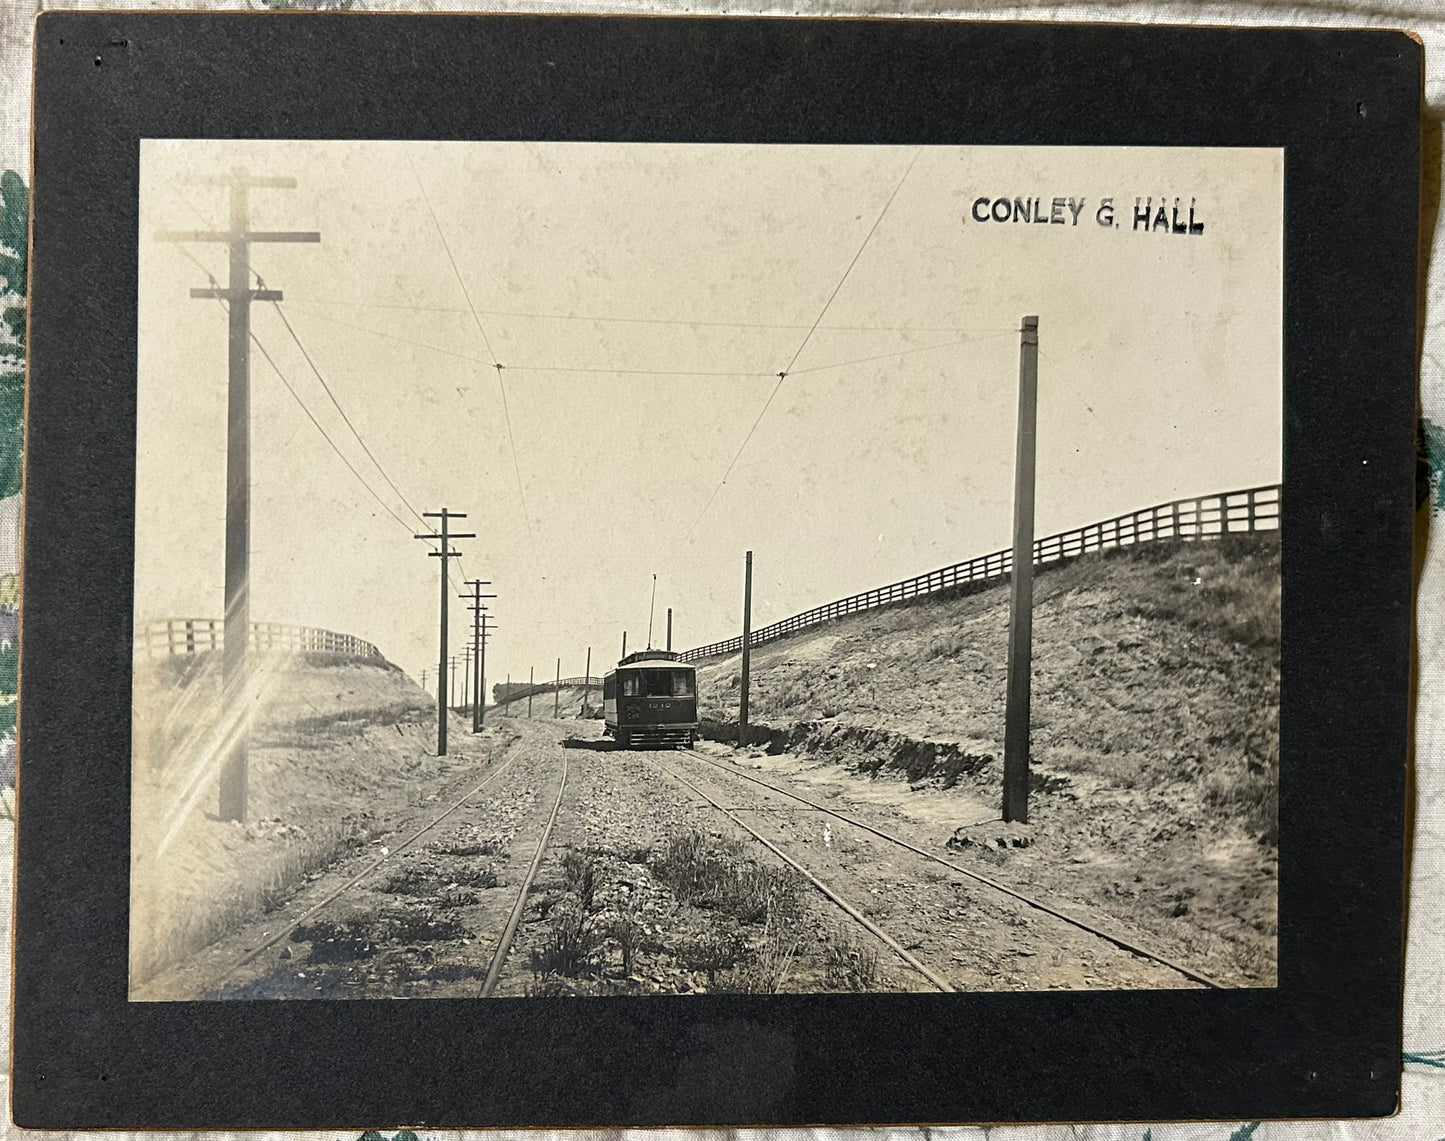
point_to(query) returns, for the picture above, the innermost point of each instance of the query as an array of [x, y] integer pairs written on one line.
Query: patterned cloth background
[[1422, 1111]]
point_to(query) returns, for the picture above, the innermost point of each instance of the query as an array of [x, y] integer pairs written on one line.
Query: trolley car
[[650, 699]]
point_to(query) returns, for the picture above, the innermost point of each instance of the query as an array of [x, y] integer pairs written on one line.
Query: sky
[[642, 300]]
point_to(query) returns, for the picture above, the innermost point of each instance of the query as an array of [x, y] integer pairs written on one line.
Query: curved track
[[1039, 905]]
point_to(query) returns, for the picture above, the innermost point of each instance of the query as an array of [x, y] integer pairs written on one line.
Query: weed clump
[[714, 873], [851, 965], [568, 950]]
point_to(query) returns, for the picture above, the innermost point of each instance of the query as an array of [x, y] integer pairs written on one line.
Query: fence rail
[[205, 635], [522, 693], [1184, 520]]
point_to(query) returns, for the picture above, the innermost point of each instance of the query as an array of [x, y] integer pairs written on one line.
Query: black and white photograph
[[597, 570]]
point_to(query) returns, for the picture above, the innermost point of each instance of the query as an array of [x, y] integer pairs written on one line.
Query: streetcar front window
[[668, 683], [631, 685]]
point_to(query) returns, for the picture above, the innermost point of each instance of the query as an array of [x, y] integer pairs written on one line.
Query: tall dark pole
[[466, 683], [557, 693], [624, 643], [476, 694], [1021, 601], [669, 629], [482, 678], [444, 554], [454, 681], [747, 651], [507, 701], [531, 681], [238, 297]]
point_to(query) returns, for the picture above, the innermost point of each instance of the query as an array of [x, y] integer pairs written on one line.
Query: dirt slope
[[338, 747], [1154, 732]]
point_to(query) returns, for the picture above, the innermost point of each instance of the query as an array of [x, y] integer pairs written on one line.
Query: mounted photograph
[[582, 569]]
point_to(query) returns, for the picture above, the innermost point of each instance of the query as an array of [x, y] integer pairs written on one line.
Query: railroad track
[[504, 942], [1036, 904], [849, 909]]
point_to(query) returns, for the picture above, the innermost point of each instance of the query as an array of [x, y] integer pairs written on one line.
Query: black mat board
[[1325, 1043]]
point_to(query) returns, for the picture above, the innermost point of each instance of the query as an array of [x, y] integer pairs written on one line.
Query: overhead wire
[[599, 318], [783, 375], [501, 384]]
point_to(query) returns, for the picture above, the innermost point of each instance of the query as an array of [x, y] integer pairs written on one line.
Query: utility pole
[[423, 681], [482, 677], [478, 609], [531, 682], [1021, 601], [747, 654], [587, 681], [453, 661], [238, 297], [557, 693], [669, 629], [507, 701], [466, 682], [444, 554], [624, 643]]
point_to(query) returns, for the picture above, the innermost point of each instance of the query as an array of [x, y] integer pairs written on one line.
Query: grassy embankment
[[1155, 729]]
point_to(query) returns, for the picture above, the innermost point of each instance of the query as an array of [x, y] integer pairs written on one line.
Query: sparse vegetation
[[568, 949], [851, 964], [713, 872]]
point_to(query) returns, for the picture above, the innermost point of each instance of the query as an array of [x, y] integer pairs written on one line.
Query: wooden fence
[[1183, 520], [522, 692], [205, 635]]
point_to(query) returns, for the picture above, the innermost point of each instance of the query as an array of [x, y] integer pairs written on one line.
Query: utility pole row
[[479, 617], [446, 552]]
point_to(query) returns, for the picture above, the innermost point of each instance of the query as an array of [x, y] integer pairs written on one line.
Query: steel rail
[[1123, 944], [499, 956], [366, 871], [873, 928]]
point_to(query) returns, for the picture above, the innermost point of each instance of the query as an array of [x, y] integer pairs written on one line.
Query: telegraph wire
[[337, 404], [902, 353], [261, 283], [213, 282], [600, 319], [973, 335], [326, 436]]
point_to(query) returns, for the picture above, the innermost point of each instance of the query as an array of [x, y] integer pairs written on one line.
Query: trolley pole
[[446, 552], [624, 643], [557, 693], [747, 655], [1021, 601], [669, 629], [238, 297]]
